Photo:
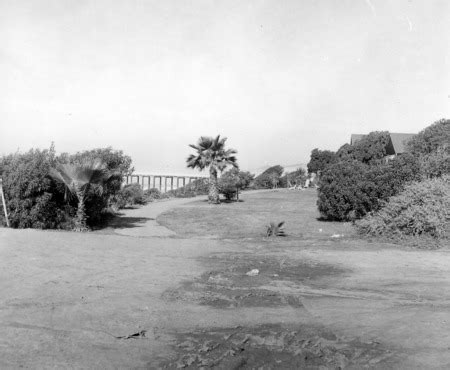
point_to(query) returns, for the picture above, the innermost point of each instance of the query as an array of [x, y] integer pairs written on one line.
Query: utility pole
[[4, 202]]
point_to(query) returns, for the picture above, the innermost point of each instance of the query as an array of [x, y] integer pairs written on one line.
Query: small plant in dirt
[[275, 229]]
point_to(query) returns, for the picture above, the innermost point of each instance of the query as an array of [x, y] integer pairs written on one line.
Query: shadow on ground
[[126, 222]]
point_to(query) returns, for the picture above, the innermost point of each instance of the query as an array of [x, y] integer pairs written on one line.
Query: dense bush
[[233, 181], [196, 187], [320, 159], [435, 164], [422, 209], [431, 138], [342, 191], [270, 178], [33, 199], [152, 194], [348, 190], [130, 195], [117, 164], [371, 149], [36, 200], [432, 147], [345, 152]]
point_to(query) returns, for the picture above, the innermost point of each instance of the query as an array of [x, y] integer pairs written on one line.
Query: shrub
[[118, 165], [152, 194], [116, 162], [431, 138], [371, 149], [229, 187], [342, 191], [196, 187], [233, 181], [349, 190], [320, 159], [422, 209], [130, 195], [345, 152], [435, 164], [33, 199]]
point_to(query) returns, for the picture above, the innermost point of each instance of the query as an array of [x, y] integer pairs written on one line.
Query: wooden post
[[4, 203]]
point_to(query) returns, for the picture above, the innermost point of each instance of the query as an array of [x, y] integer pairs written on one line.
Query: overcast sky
[[278, 78]]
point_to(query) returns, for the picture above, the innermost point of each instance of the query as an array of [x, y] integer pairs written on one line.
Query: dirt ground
[[138, 295]]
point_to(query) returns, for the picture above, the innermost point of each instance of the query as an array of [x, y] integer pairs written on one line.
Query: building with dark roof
[[396, 145]]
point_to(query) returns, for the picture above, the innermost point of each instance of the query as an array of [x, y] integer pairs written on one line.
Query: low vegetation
[[351, 189], [38, 186], [422, 209], [130, 195], [407, 196], [232, 182]]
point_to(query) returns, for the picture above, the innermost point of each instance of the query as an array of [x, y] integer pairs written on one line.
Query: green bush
[[371, 149], [196, 187], [33, 199], [130, 195], [233, 181], [431, 138], [349, 190], [320, 159], [422, 209], [152, 194], [435, 164], [118, 165]]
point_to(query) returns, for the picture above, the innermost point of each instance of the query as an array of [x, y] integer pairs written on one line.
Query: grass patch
[[250, 218]]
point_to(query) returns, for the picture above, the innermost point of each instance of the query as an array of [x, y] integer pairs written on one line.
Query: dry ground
[[69, 300]]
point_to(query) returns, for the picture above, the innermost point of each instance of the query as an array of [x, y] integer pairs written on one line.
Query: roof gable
[[396, 145], [399, 141]]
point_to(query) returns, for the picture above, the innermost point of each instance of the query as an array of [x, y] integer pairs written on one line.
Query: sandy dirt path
[[66, 297]]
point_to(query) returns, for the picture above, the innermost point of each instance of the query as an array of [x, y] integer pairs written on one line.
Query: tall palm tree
[[211, 153], [77, 180]]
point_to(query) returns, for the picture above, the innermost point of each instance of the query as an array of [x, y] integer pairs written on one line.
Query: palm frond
[[211, 152], [78, 176], [275, 229]]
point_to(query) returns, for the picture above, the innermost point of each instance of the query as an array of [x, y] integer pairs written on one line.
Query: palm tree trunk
[[213, 196], [80, 220]]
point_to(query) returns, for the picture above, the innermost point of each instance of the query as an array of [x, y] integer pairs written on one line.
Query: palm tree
[[77, 180], [211, 153]]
